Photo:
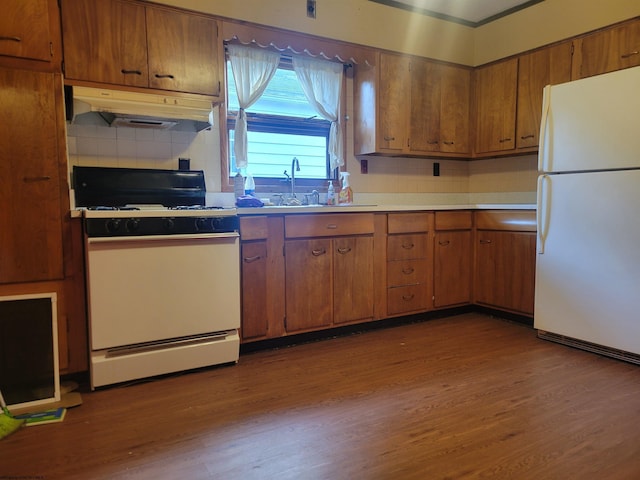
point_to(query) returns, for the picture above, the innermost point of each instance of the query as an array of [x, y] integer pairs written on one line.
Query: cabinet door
[[495, 92], [505, 270], [309, 289], [393, 99], [424, 120], [254, 290], [353, 279], [609, 50], [439, 120], [548, 66], [183, 52], [454, 105], [452, 268], [30, 195], [105, 41], [25, 30]]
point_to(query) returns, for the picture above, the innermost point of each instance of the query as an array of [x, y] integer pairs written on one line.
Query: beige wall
[[547, 22], [356, 21]]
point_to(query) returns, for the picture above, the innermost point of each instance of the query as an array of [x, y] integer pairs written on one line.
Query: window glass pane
[[271, 154], [283, 96], [281, 125]]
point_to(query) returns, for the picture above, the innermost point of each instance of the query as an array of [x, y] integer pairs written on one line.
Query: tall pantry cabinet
[[39, 254]]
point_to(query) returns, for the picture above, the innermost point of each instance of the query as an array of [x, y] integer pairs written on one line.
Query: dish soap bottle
[[331, 194], [249, 185], [346, 194]]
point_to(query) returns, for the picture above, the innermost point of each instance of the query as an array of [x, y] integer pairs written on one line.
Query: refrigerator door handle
[[542, 208], [543, 160]]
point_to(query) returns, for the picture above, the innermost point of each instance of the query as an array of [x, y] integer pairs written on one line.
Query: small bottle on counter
[[331, 194], [238, 185], [249, 185]]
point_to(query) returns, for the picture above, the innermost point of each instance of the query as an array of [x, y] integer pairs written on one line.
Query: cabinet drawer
[[408, 222], [254, 228], [407, 299], [403, 247], [407, 272], [510, 220], [328, 225], [454, 220]]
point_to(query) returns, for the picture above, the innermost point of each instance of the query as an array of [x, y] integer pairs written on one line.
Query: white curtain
[[252, 70], [322, 84]]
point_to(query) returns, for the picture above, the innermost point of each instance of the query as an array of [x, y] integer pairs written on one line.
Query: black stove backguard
[[116, 187]]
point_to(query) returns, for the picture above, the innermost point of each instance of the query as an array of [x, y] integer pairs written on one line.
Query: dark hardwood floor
[[469, 396]]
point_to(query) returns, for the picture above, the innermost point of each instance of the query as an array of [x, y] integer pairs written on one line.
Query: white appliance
[[162, 276], [588, 261]]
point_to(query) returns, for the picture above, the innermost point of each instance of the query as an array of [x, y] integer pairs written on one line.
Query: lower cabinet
[[409, 263], [262, 272], [505, 249], [307, 272], [453, 266], [329, 270]]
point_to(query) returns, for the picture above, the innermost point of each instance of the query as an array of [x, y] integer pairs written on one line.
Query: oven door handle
[[164, 238]]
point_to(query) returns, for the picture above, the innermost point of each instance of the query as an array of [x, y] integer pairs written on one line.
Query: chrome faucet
[[295, 167]]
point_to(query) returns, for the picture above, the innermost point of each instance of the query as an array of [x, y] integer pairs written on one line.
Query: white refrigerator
[[587, 291]]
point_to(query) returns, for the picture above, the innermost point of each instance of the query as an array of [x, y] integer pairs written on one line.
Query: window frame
[[268, 184]]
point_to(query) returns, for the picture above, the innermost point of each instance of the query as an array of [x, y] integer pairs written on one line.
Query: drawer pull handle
[[408, 271], [43, 178], [627, 55], [317, 253], [389, 139], [12, 39], [167, 75], [342, 251], [130, 72], [485, 241], [408, 246], [408, 297], [332, 226], [503, 140], [524, 137], [432, 142], [444, 243], [252, 259]]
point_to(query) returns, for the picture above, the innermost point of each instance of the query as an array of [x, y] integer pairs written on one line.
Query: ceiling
[[472, 13]]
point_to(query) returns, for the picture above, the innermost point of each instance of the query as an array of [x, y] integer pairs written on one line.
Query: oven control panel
[[160, 225]]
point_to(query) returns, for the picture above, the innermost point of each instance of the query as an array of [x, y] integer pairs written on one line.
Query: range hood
[[98, 106]]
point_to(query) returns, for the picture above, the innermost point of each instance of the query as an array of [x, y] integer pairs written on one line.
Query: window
[[281, 125]]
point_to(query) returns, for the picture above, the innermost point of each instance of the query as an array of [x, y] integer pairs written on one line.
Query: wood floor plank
[[464, 397]]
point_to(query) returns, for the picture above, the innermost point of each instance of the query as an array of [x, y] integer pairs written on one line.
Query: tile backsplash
[[104, 146]]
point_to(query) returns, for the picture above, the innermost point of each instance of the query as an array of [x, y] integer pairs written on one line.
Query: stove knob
[[132, 225], [203, 224], [112, 225], [168, 224], [218, 224]]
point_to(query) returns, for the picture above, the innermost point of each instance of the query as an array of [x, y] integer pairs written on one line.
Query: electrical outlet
[[436, 169], [364, 166], [311, 8]]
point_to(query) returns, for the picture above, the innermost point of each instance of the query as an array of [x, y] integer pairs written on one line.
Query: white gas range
[[163, 283]]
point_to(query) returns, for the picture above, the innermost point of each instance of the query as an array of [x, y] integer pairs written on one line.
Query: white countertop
[[378, 208]]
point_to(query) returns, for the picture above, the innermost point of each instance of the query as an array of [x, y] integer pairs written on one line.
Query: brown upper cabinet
[[411, 106], [495, 95], [139, 45], [30, 34], [440, 96], [608, 50], [548, 66]]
